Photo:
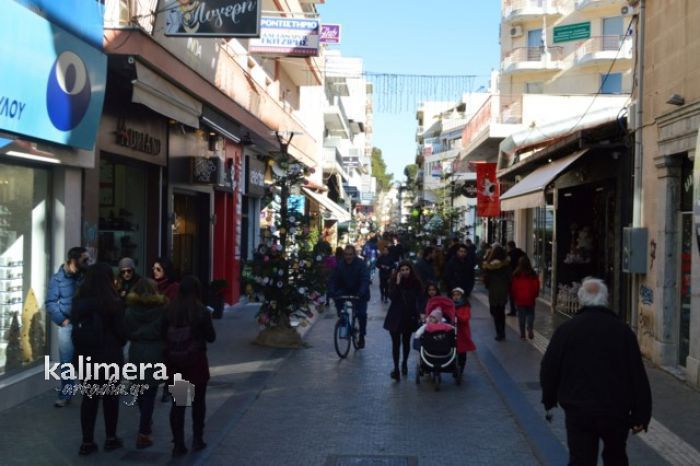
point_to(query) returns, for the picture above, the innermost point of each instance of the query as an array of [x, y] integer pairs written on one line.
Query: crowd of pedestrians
[[163, 321]]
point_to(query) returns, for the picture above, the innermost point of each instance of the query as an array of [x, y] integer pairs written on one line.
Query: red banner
[[488, 194]]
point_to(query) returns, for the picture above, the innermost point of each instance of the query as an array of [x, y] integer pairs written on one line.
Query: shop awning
[[162, 97], [529, 192], [338, 212]]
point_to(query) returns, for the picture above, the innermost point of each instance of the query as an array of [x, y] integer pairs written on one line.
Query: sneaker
[[61, 403], [87, 448], [113, 443]]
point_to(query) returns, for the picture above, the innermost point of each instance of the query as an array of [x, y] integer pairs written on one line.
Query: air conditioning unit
[[516, 31], [628, 10]]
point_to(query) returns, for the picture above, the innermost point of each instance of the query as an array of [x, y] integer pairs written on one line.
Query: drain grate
[[365, 460]]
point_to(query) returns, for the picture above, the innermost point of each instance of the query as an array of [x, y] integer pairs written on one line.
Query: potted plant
[[217, 289]]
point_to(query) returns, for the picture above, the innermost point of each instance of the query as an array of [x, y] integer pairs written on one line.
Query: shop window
[[24, 259], [122, 222], [611, 83], [536, 87], [686, 249], [543, 230]]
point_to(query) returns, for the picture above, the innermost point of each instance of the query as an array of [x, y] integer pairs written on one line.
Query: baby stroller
[[438, 349]]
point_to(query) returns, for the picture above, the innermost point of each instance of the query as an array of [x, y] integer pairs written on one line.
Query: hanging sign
[[469, 189], [289, 37], [212, 18], [487, 196], [205, 170], [570, 32], [330, 34]]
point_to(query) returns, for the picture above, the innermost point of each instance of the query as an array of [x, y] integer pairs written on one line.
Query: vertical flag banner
[[488, 194]]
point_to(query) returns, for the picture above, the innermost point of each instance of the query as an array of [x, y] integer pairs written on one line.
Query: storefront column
[[692, 362], [665, 345]]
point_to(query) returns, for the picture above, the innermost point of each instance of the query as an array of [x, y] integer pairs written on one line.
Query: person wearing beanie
[[127, 276]]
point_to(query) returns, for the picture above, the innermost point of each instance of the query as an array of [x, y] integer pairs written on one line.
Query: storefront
[[251, 199], [48, 128]]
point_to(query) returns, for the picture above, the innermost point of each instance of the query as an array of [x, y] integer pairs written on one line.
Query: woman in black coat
[[402, 317]]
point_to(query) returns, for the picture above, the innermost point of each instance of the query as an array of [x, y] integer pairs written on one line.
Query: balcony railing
[[516, 9], [599, 48], [584, 4], [532, 55]]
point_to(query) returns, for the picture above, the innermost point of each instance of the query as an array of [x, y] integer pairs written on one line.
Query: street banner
[[488, 196], [330, 34], [212, 18], [289, 37]]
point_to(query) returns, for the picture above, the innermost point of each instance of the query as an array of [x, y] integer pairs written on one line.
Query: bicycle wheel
[[342, 343], [355, 333]]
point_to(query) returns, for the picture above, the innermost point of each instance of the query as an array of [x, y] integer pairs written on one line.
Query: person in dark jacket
[[402, 317], [127, 276], [459, 272], [186, 313], [524, 289], [59, 299], [166, 278], [98, 306], [351, 278], [386, 266], [424, 266], [497, 277], [514, 254], [143, 321], [593, 369]]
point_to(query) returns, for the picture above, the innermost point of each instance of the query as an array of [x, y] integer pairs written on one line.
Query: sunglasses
[[126, 271]]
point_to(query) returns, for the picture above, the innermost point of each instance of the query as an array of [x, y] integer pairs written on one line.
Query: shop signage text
[[205, 170], [11, 108], [571, 32], [136, 140], [287, 36], [330, 33], [213, 18]]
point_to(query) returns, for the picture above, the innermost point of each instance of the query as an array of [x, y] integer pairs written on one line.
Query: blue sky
[[435, 37]]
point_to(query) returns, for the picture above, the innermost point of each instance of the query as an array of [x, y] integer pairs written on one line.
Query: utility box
[[634, 250]]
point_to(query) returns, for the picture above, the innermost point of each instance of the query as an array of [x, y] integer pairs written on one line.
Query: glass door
[[684, 314]]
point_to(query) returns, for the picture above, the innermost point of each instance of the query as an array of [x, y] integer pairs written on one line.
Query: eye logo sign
[[68, 91]]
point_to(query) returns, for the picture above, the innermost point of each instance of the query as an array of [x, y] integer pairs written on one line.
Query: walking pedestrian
[[524, 290], [385, 265], [59, 299], [402, 317], [187, 328], [593, 369], [127, 276], [143, 321], [497, 278], [424, 266], [166, 278], [459, 272], [98, 333], [463, 311], [514, 255]]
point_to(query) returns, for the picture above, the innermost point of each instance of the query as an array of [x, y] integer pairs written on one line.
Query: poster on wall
[[488, 195], [291, 37], [212, 18]]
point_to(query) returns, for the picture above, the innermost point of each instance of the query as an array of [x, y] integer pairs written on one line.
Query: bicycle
[[347, 328]]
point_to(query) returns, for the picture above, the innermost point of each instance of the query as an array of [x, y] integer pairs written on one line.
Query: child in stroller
[[436, 341]]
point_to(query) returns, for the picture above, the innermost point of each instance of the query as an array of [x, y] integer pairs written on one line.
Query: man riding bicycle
[[351, 277]]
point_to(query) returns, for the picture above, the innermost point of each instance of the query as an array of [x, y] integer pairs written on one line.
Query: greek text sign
[[212, 18], [571, 32], [287, 36], [330, 34]]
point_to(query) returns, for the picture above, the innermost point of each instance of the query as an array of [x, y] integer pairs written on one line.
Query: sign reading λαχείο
[[571, 32]]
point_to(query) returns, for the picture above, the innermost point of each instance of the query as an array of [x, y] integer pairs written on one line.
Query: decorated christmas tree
[[285, 271]]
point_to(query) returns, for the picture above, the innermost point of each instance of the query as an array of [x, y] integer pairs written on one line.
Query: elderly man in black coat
[[459, 272], [593, 369]]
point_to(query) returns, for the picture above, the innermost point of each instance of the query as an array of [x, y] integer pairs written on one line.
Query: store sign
[[288, 37], [205, 170], [487, 196], [212, 18], [84, 18], [351, 162], [570, 32], [136, 140], [255, 179], [469, 189], [330, 34], [59, 97]]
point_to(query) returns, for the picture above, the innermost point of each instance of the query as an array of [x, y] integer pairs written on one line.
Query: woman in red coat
[[524, 289], [464, 333]]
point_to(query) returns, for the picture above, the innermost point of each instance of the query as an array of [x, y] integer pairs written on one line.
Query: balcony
[[336, 119], [604, 49], [529, 59], [333, 162], [591, 5], [528, 10]]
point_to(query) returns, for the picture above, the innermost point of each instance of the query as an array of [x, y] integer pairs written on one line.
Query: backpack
[[180, 346], [88, 333]]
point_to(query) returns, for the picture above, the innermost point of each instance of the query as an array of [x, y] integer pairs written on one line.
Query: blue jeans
[[526, 315], [146, 402], [360, 308], [65, 355]]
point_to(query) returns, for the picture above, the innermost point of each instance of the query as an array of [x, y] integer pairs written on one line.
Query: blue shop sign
[[52, 83], [83, 18]]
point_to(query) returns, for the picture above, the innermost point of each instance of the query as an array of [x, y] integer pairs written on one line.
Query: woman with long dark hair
[[98, 332], [165, 276], [186, 329], [497, 277], [402, 317]]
